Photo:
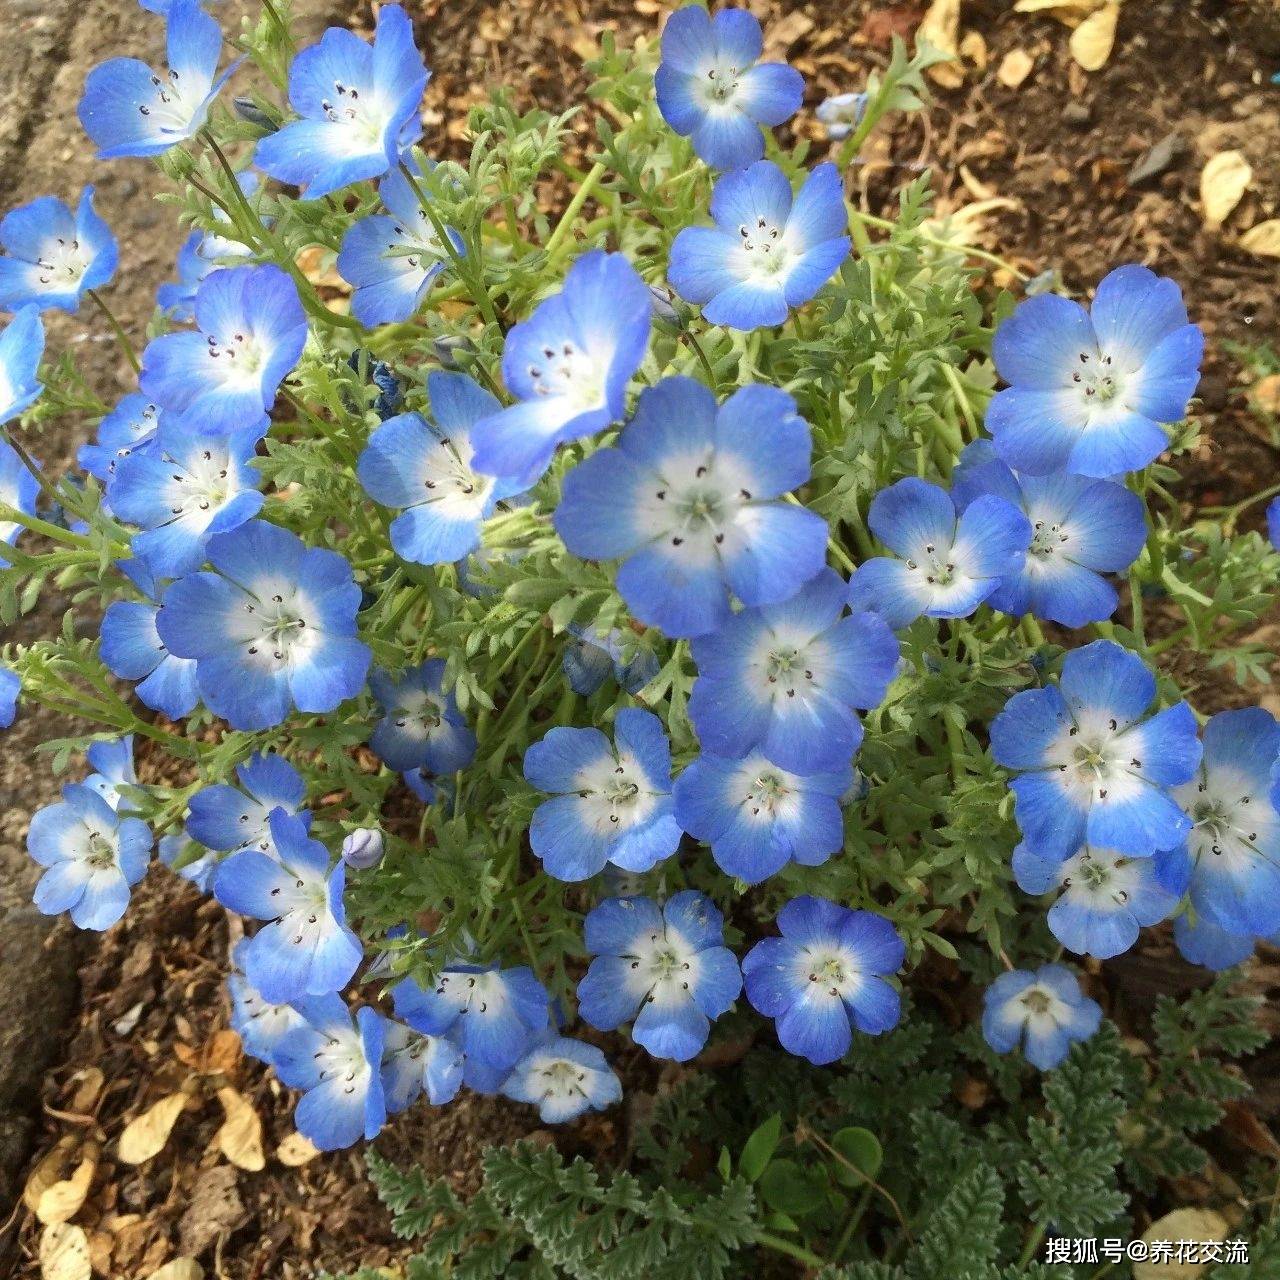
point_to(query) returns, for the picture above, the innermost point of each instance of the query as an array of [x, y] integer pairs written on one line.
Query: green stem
[[855, 1216], [950, 246], [1033, 1243], [121, 337], [580, 197], [281, 26], [799, 1252]]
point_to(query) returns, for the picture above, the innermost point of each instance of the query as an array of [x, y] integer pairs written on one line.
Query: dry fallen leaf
[[179, 1269], [1264, 239], [1181, 1224], [941, 28], [47, 1172], [1014, 68], [1093, 39], [1058, 8], [240, 1137], [145, 1136], [61, 1201], [973, 48], [1265, 393], [64, 1253], [1223, 182], [295, 1151]]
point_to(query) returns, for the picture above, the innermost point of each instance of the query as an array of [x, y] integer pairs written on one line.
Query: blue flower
[[197, 865], [18, 489], [948, 563], [336, 1062], [191, 485], [273, 628], [842, 114], [422, 726], [10, 687], [359, 108], [1106, 897], [250, 331], [825, 976], [230, 819], [129, 110], [305, 948], [690, 501], [713, 88], [757, 817], [568, 367], [666, 968], [392, 258], [362, 848], [1089, 389], [491, 1014], [92, 857], [130, 647], [1273, 522], [21, 346], [1091, 770], [424, 469], [1209, 945], [129, 427], [1081, 528], [111, 760], [425, 785], [1234, 840], [765, 254], [611, 801], [1042, 1012], [789, 679], [563, 1078], [412, 1062], [590, 658], [200, 255], [261, 1025], [52, 256]]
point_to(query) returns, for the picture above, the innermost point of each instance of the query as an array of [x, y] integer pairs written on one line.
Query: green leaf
[[862, 1149], [760, 1147]]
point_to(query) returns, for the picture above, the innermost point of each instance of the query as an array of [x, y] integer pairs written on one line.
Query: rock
[[1077, 114], [1157, 159]]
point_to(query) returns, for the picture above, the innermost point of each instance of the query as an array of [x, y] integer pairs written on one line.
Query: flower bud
[[362, 849]]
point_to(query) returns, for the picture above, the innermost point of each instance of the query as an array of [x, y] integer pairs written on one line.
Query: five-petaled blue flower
[[52, 256], [129, 427], [563, 1078], [765, 254], [21, 346], [1081, 528], [666, 968], [413, 1062], [825, 976], [336, 1061], [305, 948], [790, 678], [421, 727], [842, 114], [250, 331], [713, 88], [201, 254], [261, 1025], [391, 259], [358, 105], [590, 658], [228, 819], [1091, 769], [18, 489], [1088, 390], [1043, 1012], [92, 855], [10, 687], [611, 802], [273, 627], [947, 562], [192, 485], [111, 760], [130, 110], [424, 468], [1210, 946], [690, 501], [568, 367]]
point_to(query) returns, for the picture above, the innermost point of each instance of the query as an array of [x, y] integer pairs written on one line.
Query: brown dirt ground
[[1060, 148]]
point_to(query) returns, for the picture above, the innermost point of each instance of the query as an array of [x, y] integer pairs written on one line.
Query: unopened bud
[[362, 849]]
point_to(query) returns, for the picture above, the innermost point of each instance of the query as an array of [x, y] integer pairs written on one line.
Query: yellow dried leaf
[[1223, 182], [1071, 13], [941, 28], [64, 1253], [47, 1172], [973, 48], [1181, 1224], [1265, 393], [179, 1269], [295, 1151], [1264, 239], [1014, 68], [61, 1201], [240, 1137], [145, 1137], [1093, 39]]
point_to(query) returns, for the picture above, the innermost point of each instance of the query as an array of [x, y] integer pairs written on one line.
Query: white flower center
[[1097, 378], [170, 109], [569, 372], [62, 263]]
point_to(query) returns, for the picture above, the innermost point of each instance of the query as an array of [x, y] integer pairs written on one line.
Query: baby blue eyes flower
[[413, 1063], [422, 726], [337, 1063], [611, 801], [261, 1025], [229, 819], [191, 485], [563, 1078], [765, 254], [1043, 1012], [568, 367], [1210, 946], [1273, 522], [362, 849], [590, 658], [200, 255], [52, 256], [424, 468], [668, 969], [305, 948], [271, 628], [129, 427], [713, 88], [92, 855], [129, 110], [1106, 898], [1088, 390], [1091, 770], [842, 114], [18, 489], [690, 501], [112, 763], [1081, 528], [825, 977], [789, 678], [947, 562], [391, 258], [359, 108], [250, 331], [10, 687], [21, 346]]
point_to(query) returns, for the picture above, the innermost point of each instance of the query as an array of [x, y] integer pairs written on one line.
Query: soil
[[1065, 150]]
